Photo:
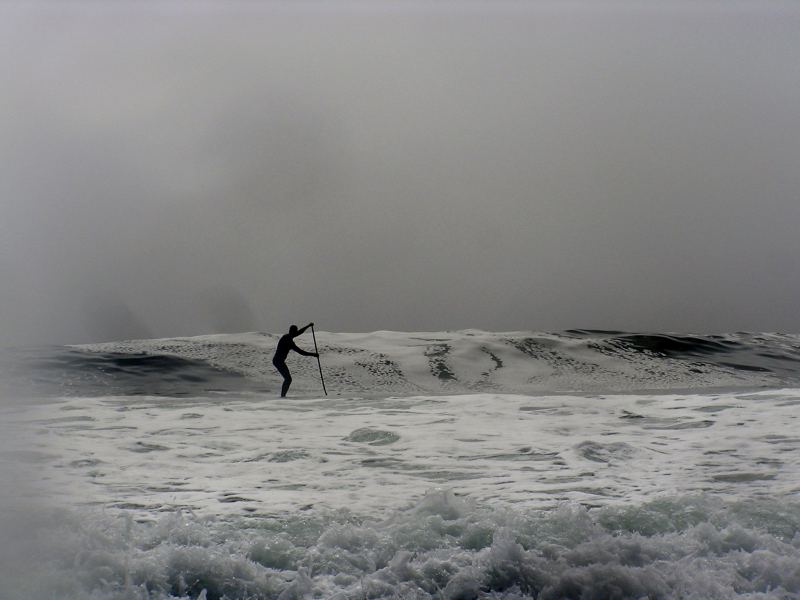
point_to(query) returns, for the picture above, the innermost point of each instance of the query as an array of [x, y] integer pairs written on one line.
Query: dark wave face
[[394, 363], [58, 371], [743, 351]]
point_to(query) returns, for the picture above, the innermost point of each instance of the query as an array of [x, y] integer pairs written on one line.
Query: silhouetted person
[[285, 344]]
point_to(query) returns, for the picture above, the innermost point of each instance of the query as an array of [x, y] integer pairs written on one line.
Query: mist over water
[[414, 167]]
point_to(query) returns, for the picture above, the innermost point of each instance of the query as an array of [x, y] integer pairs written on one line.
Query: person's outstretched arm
[[303, 330]]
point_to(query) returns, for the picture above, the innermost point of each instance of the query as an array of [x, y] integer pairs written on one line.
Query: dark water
[[63, 371], [776, 354]]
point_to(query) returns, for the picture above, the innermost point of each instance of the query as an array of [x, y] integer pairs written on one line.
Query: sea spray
[[681, 547]]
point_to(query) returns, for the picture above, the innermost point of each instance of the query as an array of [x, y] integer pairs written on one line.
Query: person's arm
[[303, 330], [303, 352]]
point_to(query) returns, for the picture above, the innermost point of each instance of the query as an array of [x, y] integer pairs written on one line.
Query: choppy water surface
[[170, 469]]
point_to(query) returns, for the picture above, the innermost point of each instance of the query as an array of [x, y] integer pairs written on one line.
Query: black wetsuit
[[285, 345]]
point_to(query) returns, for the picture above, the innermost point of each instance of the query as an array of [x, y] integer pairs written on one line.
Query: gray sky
[[176, 169]]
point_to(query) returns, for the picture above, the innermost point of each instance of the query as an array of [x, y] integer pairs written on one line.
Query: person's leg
[[287, 377]]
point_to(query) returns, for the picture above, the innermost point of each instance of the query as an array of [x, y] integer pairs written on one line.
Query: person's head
[[293, 329]]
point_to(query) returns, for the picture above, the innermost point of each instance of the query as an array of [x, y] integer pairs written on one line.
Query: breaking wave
[[423, 363], [444, 547]]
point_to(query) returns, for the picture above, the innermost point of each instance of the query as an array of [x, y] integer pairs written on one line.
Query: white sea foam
[[232, 454], [486, 494], [468, 496], [443, 547]]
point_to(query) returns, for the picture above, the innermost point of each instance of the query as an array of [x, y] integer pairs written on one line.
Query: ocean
[[458, 465]]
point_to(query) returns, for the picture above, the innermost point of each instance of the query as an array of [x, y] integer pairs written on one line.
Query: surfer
[[285, 344]]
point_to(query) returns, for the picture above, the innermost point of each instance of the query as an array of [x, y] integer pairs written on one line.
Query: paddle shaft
[[319, 364]]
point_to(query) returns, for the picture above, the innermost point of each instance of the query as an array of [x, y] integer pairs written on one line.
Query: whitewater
[[467, 464]]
